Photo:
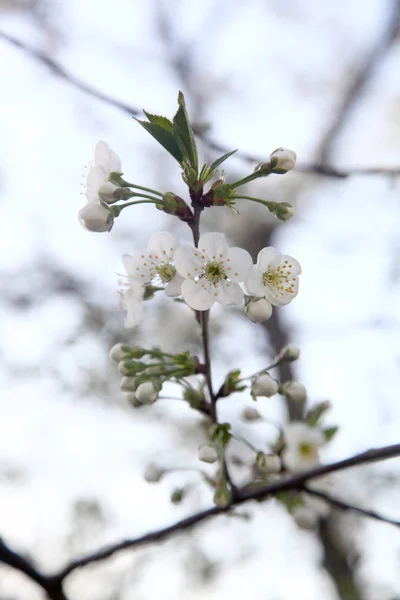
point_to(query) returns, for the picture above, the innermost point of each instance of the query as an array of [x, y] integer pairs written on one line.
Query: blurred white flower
[[212, 272], [208, 454], [131, 300], [274, 277], [116, 353], [264, 385], [302, 444], [294, 390], [258, 310]]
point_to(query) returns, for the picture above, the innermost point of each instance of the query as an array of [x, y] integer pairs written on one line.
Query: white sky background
[[276, 71]]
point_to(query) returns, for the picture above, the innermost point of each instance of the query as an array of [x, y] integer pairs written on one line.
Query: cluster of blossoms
[[210, 273], [202, 274]]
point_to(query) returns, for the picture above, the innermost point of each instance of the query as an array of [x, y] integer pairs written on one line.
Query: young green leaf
[[221, 159], [159, 120], [184, 135], [164, 137]]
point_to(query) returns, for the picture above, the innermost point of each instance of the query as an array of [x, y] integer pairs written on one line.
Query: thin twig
[[351, 507], [63, 73]]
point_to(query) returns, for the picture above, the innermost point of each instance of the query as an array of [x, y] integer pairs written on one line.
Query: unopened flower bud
[[124, 367], [284, 211], [153, 473], [305, 518], [264, 385], [95, 217], [251, 414], [282, 160], [177, 206], [178, 495], [128, 384], [208, 454], [289, 353], [132, 400], [294, 390], [106, 192], [258, 310], [268, 463], [222, 496], [117, 354], [146, 393]]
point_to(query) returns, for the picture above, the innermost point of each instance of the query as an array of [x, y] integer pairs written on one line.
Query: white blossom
[[302, 444], [156, 264], [95, 216], [98, 187], [290, 352], [258, 310], [269, 463], [282, 160], [131, 399], [264, 385], [208, 454], [294, 390], [274, 277], [146, 393], [131, 300], [212, 272]]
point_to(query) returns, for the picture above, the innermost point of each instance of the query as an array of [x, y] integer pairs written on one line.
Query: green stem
[[270, 205], [250, 177]]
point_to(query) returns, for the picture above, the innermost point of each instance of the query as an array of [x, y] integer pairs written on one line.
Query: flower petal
[[106, 158], [214, 246], [173, 288], [197, 294], [268, 257], [139, 267], [162, 245], [238, 265], [295, 267], [255, 284], [96, 177], [229, 292], [281, 298], [134, 306], [188, 261]]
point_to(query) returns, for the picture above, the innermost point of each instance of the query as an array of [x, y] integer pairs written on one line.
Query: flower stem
[[270, 205]]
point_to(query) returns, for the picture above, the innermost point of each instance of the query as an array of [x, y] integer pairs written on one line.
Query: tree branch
[[52, 584], [60, 71], [337, 503], [295, 482]]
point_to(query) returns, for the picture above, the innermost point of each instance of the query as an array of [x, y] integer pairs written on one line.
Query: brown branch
[[290, 483], [60, 71], [52, 584]]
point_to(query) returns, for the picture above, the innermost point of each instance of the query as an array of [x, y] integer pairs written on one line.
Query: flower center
[[166, 271], [307, 450], [279, 279], [214, 272]]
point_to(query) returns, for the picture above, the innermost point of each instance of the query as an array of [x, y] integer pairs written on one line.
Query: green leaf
[[163, 137], [221, 159], [184, 135], [159, 120], [329, 432]]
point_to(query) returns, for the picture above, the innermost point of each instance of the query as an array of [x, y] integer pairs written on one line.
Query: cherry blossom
[[95, 216], [302, 444], [156, 265], [274, 277], [212, 272]]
